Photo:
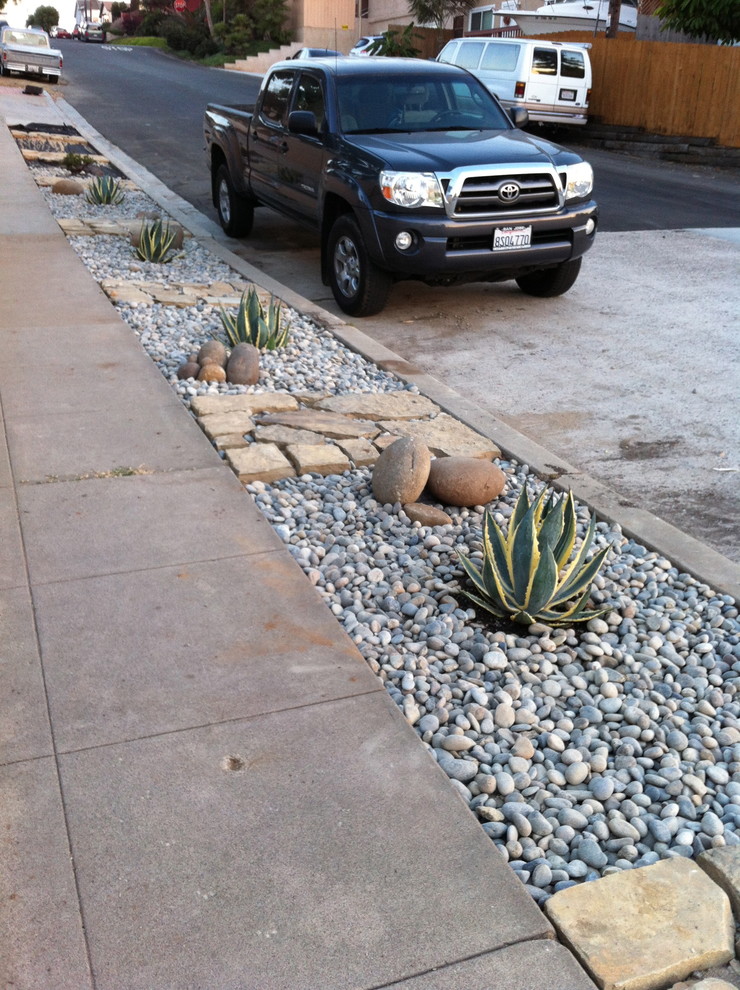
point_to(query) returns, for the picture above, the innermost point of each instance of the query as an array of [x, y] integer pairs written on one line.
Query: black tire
[[551, 281], [235, 215], [54, 80], [359, 286]]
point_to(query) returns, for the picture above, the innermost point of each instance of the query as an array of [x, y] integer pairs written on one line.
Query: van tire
[[235, 214], [550, 281]]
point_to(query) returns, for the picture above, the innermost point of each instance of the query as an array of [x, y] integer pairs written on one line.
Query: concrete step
[[262, 62]]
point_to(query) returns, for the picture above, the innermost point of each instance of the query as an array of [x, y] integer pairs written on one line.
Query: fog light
[[590, 226], [404, 240]]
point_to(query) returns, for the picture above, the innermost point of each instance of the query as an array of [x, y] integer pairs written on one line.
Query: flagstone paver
[[643, 929]]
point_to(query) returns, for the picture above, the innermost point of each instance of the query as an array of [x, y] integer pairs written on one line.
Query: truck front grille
[[504, 192]]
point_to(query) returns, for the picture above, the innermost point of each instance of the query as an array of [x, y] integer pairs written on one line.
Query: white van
[[551, 79]]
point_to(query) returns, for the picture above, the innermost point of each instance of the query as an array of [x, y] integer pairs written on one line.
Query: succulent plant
[[105, 191], [76, 163], [252, 325], [155, 241], [528, 574]]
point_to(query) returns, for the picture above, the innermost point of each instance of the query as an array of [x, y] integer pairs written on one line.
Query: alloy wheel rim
[[224, 203], [347, 267]]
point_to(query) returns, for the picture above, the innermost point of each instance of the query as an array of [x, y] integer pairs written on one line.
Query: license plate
[[34, 68], [567, 94], [511, 238]]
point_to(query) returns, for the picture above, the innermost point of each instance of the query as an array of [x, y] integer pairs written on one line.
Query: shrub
[[181, 37], [528, 575], [252, 325], [400, 45], [75, 163]]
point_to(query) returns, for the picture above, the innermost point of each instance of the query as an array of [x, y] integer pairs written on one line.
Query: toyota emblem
[[509, 192]]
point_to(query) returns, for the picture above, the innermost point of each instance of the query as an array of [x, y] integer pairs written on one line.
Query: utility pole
[[614, 9]]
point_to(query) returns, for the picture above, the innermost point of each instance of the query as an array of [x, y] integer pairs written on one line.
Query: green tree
[[437, 13], [719, 19], [43, 17]]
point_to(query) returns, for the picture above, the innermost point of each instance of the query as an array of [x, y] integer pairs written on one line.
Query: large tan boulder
[[213, 352], [212, 373], [68, 187], [243, 366], [401, 471], [465, 480]]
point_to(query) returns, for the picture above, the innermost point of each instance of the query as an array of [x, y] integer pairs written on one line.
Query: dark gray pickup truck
[[408, 170]]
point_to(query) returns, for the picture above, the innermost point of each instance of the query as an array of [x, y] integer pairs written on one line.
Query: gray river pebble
[[601, 747]]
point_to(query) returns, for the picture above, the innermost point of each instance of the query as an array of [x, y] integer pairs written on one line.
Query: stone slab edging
[[686, 552], [721, 890]]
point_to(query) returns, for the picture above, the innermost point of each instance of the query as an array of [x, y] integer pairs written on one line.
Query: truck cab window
[[309, 96], [276, 96]]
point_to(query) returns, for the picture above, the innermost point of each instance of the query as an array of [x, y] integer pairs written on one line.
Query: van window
[[469, 55], [573, 65], [448, 52], [500, 57], [545, 61]]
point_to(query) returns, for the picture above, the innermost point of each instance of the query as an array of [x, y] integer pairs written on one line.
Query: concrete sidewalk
[[203, 785]]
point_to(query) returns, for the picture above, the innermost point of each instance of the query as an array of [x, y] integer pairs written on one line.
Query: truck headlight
[[411, 189], [579, 180]]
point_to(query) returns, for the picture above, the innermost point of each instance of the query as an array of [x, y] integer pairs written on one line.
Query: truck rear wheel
[[359, 286], [234, 213], [551, 281]]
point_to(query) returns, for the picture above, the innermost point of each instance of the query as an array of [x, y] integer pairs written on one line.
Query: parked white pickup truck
[[28, 51]]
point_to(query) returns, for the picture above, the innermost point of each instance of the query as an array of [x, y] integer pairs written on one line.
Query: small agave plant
[[155, 241], [528, 575], [105, 191], [252, 325]]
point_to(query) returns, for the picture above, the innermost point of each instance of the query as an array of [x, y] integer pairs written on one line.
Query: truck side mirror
[[519, 116], [302, 122]]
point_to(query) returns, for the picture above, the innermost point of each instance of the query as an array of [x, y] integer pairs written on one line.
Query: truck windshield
[[419, 102], [32, 39]]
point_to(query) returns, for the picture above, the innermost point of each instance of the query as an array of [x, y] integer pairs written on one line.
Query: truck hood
[[442, 151]]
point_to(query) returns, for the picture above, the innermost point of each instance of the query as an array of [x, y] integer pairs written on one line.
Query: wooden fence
[[668, 88], [664, 87]]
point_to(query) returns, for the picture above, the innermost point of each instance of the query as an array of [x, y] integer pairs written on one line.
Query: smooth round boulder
[[213, 352], [190, 369], [243, 367], [68, 187], [427, 515], [212, 373], [465, 481], [401, 471]]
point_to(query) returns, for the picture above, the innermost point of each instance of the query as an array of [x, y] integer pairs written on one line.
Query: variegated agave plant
[[528, 575], [105, 191], [156, 240], [252, 325]]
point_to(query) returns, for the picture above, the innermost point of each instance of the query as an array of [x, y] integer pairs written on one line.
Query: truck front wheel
[[359, 286], [234, 214], [550, 281]]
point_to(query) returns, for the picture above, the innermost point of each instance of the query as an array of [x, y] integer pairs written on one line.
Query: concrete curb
[[686, 552]]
